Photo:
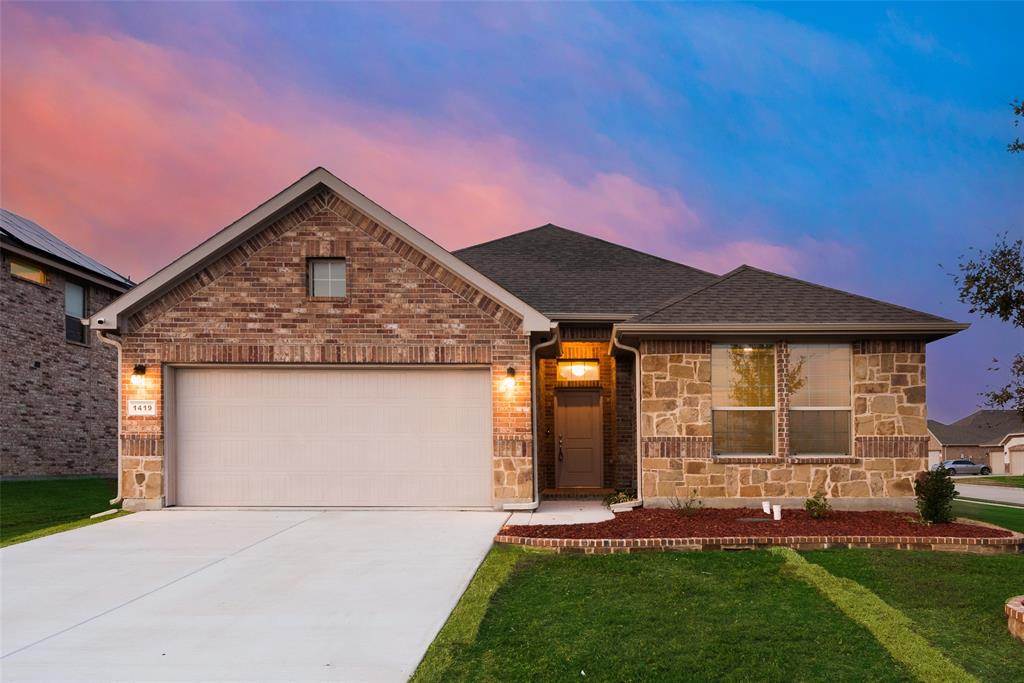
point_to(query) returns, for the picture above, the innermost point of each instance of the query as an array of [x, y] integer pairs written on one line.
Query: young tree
[[992, 284]]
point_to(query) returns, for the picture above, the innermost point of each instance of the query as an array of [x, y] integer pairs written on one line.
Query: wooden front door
[[578, 438]]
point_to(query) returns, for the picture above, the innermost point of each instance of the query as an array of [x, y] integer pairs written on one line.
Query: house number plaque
[[141, 408]]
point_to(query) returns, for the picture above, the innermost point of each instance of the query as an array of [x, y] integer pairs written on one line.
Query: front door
[[578, 434]]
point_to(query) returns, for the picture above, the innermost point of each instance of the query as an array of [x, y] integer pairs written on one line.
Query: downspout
[[534, 379], [100, 334], [636, 404]]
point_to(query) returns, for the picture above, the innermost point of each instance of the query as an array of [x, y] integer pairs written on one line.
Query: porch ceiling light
[[509, 381], [139, 375], [579, 369]]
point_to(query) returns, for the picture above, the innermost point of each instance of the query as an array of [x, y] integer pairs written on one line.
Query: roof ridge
[[596, 239], [672, 302], [843, 291]]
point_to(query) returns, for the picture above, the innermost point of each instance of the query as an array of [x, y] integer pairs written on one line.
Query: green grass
[[700, 616], [1014, 480], [956, 601], [891, 628], [1006, 517], [461, 628], [30, 509]]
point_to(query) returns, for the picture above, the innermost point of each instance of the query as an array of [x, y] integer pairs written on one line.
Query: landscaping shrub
[[686, 506], [817, 506], [619, 497], [935, 492]]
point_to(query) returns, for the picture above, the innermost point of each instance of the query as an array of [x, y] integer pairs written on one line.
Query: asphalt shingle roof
[[24, 232], [556, 270], [752, 295], [978, 428]]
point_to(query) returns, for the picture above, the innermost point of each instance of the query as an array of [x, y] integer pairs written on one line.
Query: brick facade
[[251, 306], [890, 437], [58, 407]]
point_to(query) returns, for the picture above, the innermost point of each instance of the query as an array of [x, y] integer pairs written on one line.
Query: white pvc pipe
[[101, 335]]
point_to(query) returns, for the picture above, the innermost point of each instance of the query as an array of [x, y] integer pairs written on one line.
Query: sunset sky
[[862, 147]]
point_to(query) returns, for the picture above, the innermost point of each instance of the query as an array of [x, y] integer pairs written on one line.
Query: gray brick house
[[321, 351], [58, 385]]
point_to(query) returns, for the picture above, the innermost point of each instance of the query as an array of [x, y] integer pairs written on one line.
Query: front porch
[[586, 417]]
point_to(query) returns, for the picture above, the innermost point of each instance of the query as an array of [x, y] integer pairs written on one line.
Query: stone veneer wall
[[251, 306], [890, 443]]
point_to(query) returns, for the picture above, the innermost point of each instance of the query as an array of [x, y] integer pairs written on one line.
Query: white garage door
[[332, 436]]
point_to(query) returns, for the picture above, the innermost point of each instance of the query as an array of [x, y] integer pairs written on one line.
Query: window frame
[[774, 408], [13, 261], [85, 312], [310, 280], [848, 408]]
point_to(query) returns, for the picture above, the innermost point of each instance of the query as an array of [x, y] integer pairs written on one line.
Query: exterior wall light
[[139, 375], [579, 369], [509, 381]]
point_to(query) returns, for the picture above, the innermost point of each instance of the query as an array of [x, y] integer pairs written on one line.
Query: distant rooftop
[[22, 232], [984, 427]]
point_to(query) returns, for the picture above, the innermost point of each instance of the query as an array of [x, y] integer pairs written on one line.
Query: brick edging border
[[1015, 616], [605, 546]]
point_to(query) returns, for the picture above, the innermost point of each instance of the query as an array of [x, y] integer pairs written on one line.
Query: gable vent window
[[327, 278], [27, 271], [74, 311]]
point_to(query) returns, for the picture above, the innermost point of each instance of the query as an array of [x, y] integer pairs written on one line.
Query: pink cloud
[[134, 152]]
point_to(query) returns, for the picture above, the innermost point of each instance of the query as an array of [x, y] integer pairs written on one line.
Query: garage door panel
[[333, 437]]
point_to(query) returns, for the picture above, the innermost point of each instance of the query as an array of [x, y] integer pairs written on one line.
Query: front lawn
[[1000, 515], [30, 509], [1013, 480], [729, 616]]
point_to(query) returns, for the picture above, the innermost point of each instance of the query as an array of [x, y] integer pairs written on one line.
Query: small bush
[[686, 506], [935, 493], [817, 506], [619, 497]]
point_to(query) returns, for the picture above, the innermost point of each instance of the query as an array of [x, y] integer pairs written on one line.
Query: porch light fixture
[[579, 369], [139, 375], [509, 381]]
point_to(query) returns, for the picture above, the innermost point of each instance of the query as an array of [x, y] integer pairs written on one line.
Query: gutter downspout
[[534, 377], [639, 447], [101, 335]]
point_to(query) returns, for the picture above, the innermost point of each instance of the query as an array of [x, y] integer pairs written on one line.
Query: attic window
[[327, 278], [27, 271]]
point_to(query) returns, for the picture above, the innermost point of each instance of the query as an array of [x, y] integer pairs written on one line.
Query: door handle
[[561, 456]]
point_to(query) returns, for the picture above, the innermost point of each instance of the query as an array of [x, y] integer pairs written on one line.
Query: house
[[58, 414], [993, 437], [320, 351]]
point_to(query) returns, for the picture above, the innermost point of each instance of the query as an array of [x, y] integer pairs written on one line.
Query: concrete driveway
[[200, 595], [995, 494]]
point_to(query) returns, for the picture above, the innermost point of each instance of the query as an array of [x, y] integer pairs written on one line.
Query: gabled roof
[[751, 298], [18, 231], [564, 273], [981, 428], [254, 221]]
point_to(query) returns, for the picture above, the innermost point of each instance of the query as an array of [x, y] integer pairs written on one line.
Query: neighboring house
[[320, 351], [58, 413], [994, 437]]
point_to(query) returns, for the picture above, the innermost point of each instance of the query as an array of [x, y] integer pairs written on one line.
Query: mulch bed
[[714, 523]]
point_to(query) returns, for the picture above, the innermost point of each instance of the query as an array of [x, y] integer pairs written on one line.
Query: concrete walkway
[[194, 595], [996, 494], [564, 512]]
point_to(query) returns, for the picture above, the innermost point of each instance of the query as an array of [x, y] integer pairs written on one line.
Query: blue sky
[[860, 146]]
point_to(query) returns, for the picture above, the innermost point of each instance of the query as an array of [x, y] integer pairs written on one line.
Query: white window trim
[[774, 408], [853, 435]]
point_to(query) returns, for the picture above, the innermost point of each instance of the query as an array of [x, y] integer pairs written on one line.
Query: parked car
[[956, 467]]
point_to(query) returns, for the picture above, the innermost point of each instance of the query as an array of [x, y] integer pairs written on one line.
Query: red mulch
[[714, 523]]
